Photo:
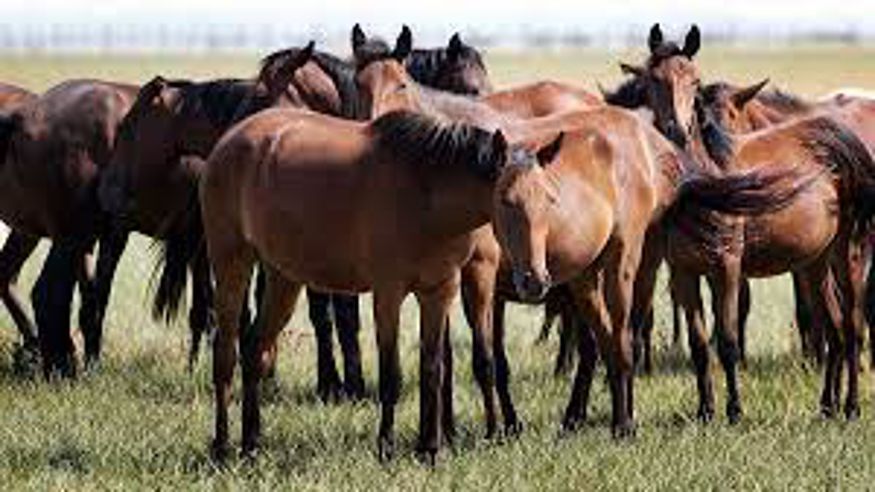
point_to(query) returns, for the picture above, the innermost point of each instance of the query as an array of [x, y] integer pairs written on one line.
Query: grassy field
[[142, 422]]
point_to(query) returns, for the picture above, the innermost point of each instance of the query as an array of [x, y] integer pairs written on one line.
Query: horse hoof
[[219, 451], [355, 392], [427, 457], [385, 449], [852, 413], [705, 415], [827, 411], [734, 416], [330, 394], [249, 451], [514, 429], [571, 425], [625, 431]]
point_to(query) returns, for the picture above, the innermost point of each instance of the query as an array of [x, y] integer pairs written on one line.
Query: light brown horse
[[57, 144], [415, 190]]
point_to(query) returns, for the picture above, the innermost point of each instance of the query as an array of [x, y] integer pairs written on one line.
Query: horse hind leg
[[725, 286], [689, 296], [16, 250], [348, 324], [201, 317], [258, 348], [849, 278], [52, 298], [592, 312], [328, 385]]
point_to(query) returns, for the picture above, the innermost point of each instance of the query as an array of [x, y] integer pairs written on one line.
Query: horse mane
[[717, 139], [664, 51], [783, 101], [629, 94], [424, 64], [424, 141], [342, 74], [219, 99]]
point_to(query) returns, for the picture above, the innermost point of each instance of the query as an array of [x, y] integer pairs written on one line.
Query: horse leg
[[387, 305], [725, 285], [686, 287], [346, 318], [434, 301], [93, 310], [201, 317], [258, 349], [592, 311], [743, 315], [817, 286], [512, 424], [812, 342], [478, 296], [328, 385], [447, 413], [642, 306], [675, 317], [568, 337], [870, 306], [233, 269], [16, 250], [52, 297], [552, 310], [849, 278]]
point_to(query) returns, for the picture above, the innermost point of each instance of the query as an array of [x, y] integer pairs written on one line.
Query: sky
[[438, 18]]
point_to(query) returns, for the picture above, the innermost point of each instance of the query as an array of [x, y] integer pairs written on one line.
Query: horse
[[385, 85], [57, 143], [17, 246], [583, 218], [416, 188], [833, 210]]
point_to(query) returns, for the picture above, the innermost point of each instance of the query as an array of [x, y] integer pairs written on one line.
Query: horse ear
[[153, 89], [547, 153], [403, 45], [745, 95], [358, 37], [693, 42], [305, 54], [655, 39], [454, 48], [632, 70]]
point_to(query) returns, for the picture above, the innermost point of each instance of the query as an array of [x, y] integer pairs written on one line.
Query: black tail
[[838, 149], [179, 249]]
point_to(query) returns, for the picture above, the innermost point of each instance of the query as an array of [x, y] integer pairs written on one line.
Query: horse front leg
[[328, 385], [594, 319], [434, 301], [52, 298], [387, 304], [348, 324], [478, 296]]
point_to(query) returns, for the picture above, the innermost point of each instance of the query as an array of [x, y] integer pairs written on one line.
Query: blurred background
[[233, 25]]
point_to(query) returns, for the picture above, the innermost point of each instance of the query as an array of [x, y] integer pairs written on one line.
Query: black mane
[[629, 94], [783, 101], [424, 65], [422, 140], [342, 74], [716, 137], [220, 100]]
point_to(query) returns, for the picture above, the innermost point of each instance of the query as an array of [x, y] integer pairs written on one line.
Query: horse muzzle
[[531, 286]]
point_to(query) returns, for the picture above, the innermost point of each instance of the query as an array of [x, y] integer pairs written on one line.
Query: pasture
[[142, 422]]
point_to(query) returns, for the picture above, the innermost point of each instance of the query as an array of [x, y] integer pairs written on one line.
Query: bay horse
[[150, 182], [385, 85], [766, 245], [56, 144], [416, 191]]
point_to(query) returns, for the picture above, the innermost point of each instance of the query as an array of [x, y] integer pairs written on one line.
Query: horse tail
[[839, 150], [758, 191], [179, 249]]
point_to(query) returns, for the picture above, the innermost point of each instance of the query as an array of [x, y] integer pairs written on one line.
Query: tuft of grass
[[142, 422]]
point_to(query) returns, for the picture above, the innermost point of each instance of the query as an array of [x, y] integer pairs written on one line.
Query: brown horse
[[416, 191], [765, 245], [57, 144], [584, 219], [385, 85], [17, 246]]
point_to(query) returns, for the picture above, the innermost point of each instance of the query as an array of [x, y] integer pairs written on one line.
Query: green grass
[[142, 422]]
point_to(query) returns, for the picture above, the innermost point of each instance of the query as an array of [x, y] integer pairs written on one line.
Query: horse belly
[[788, 239]]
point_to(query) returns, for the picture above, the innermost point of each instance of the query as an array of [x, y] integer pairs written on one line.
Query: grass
[[142, 422]]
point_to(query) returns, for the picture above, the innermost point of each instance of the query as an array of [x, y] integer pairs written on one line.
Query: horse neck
[[759, 116], [456, 201], [459, 108]]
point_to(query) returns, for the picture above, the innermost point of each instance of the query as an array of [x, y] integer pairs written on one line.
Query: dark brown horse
[[17, 246], [57, 144]]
